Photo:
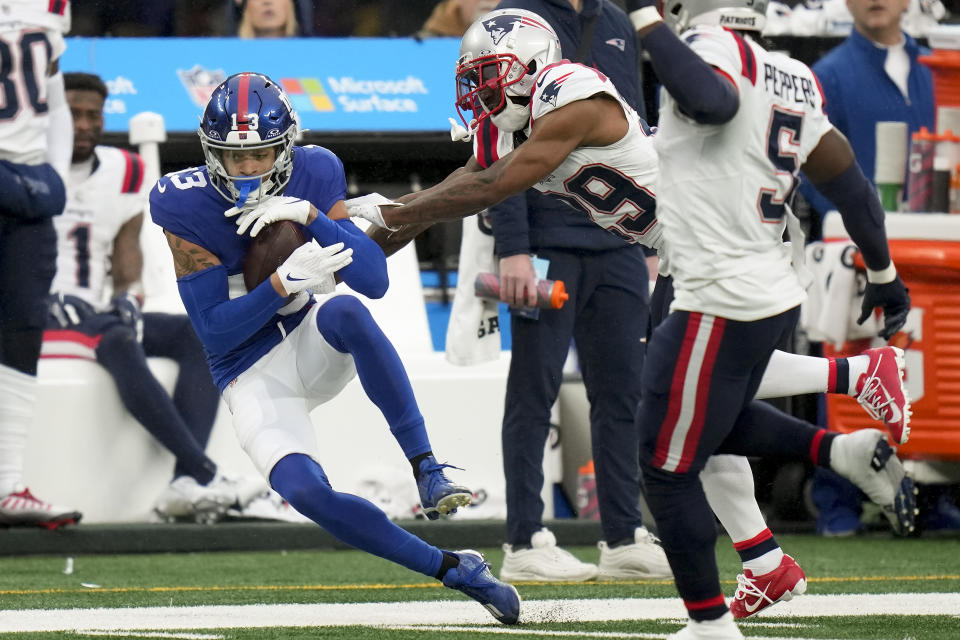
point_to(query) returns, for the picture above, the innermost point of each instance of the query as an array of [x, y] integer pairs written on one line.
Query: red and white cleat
[[881, 392], [755, 593], [22, 509]]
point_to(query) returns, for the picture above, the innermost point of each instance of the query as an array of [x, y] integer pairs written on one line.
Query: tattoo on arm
[[188, 257]]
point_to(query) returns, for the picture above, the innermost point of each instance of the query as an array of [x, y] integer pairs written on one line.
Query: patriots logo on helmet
[[552, 90], [499, 26]]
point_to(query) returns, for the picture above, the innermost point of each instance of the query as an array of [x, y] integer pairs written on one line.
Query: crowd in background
[[325, 18]]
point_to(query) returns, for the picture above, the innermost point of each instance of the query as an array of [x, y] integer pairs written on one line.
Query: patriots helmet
[[743, 15], [248, 111], [500, 56]]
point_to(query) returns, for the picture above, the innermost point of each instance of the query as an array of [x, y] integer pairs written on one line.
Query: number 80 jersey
[[613, 185]]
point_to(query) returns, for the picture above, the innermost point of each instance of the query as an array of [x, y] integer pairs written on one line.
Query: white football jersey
[[613, 185], [31, 36], [98, 204], [723, 189]]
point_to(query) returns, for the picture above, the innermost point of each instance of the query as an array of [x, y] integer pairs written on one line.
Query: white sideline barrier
[[86, 452]]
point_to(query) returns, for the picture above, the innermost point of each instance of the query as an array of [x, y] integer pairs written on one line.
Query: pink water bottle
[[551, 294]]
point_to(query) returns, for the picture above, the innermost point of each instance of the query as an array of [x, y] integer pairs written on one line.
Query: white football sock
[[858, 367], [790, 374], [728, 482], [18, 400]]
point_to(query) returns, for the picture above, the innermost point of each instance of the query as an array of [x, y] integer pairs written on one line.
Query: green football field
[[866, 588]]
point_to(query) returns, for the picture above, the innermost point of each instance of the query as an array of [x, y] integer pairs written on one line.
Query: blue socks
[[349, 518]]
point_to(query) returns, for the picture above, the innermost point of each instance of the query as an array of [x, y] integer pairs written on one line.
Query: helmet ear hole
[[532, 68]]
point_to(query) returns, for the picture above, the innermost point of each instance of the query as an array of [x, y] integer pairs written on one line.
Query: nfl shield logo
[[200, 83]]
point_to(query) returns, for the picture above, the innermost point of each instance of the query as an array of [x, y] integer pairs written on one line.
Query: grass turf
[[869, 564]]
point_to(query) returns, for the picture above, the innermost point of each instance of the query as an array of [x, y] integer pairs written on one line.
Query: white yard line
[[546, 633], [148, 634], [458, 612]]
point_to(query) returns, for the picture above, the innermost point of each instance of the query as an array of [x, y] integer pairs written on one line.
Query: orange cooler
[[926, 250]]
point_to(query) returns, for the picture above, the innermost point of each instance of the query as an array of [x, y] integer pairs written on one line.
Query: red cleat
[[22, 508], [755, 593], [881, 392]]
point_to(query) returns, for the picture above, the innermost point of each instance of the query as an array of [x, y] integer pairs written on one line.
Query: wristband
[[644, 17], [883, 276]]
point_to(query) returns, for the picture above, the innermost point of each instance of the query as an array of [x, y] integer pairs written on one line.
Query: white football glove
[[269, 211], [312, 267], [372, 213]]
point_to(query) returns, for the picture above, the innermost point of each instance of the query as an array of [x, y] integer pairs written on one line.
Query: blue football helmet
[[248, 111]]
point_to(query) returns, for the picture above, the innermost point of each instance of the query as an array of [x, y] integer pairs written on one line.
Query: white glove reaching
[[372, 213], [458, 132], [269, 211], [312, 267]]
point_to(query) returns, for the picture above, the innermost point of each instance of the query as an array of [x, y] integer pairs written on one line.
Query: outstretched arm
[[554, 137]]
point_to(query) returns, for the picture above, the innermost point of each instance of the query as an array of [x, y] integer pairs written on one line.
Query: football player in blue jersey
[[275, 353]]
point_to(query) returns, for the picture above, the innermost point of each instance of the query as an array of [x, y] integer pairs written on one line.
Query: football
[[269, 249]]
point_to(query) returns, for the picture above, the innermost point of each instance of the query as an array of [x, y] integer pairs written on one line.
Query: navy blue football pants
[[700, 376], [28, 255], [182, 423], [606, 316]]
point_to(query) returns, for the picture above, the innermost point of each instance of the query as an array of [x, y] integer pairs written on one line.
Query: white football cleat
[[268, 505], [544, 561], [644, 558], [187, 499], [723, 628], [22, 508], [866, 459]]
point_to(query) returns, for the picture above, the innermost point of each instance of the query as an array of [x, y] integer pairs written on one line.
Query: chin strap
[[246, 186]]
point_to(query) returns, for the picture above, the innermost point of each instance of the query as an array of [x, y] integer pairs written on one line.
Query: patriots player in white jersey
[[96, 304], [274, 352], [737, 123], [35, 135], [589, 148]]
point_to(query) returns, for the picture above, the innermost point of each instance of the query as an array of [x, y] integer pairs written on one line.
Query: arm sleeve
[[862, 214], [828, 87], [367, 274], [699, 91], [60, 133], [223, 324]]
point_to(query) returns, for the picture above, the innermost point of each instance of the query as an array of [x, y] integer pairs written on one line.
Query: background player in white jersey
[[96, 298], [35, 134], [736, 125], [590, 148], [274, 352]]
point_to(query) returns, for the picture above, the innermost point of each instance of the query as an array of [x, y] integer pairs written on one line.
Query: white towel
[[473, 333], [833, 300]]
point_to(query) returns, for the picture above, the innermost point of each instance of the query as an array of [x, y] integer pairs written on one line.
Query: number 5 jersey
[[724, 190]]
